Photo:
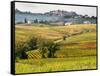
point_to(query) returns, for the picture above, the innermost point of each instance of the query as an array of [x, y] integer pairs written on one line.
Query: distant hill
[[17, 11], [54, 12], [61, 13], [52, 16]]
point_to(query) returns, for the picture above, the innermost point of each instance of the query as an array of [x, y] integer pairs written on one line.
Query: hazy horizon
[[42, 8]]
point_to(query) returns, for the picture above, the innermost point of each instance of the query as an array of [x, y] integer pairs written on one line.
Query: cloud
[[41, 8]]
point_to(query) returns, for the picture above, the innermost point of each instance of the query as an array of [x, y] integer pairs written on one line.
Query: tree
[[25, 20], [22, 47], [43, 51], [42, 47], [64, 37], [48, 48], [23, 55], [36, 21], [52, 48], [32, 42], [41, 21], [93, 17]]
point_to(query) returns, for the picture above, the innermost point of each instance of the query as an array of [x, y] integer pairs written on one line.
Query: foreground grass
[[55, 64]]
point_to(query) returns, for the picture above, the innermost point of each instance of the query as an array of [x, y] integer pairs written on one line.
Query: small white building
[[68, 23], [29, 22], [87, 22]]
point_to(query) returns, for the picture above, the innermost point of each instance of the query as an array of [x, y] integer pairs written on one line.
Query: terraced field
[[76, 52]]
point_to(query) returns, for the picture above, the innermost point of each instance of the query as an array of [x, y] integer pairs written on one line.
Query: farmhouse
[[87, 22], [68, 23], [29, 22]]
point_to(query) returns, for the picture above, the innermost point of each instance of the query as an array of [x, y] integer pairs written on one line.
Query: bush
[[18, 48], [64, 37], [32, 42], [42, 47], [48, 48], [23, 55], [52, 48], [22, 47]]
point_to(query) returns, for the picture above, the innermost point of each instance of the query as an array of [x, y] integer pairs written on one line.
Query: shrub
[[23, 55], [64, 37], [42, 47], [32, 42], [48, 48], [22, 47], [18, 48], [52, 48]]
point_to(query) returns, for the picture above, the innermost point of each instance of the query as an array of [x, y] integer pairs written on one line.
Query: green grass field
[[76, 52], [55, 64]]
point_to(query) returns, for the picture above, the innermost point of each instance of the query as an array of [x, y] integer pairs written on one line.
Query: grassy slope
[[79, 45], [56, 32], [24, 32]]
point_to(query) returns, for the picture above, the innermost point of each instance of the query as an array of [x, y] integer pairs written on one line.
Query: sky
[[42, 8]]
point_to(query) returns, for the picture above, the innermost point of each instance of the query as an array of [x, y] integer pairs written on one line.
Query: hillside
[[78, 35], [75, 46], [76, 50]]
